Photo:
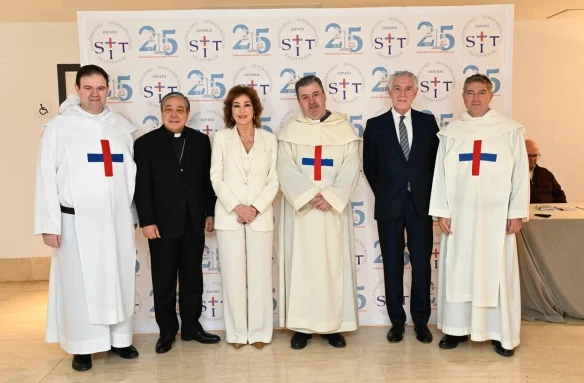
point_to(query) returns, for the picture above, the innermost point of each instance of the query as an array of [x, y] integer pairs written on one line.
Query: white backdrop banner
[[203, 53]]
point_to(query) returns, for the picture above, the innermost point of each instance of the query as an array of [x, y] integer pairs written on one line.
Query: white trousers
[[67, 312], [246, 259]]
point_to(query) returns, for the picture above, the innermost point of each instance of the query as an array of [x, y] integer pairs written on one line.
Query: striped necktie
[[403, 137]]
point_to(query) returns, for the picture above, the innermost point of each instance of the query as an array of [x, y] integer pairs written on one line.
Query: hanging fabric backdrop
[[204, 53]]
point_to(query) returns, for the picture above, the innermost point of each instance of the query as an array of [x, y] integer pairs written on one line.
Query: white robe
[[480, 181], [317, 255], [91, 287]]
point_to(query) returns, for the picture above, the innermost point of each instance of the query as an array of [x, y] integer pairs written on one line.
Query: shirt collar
[[396, 115], [326, 115], [171, 134]]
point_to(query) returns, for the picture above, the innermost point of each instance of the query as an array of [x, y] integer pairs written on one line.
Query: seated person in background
[[544, 187]]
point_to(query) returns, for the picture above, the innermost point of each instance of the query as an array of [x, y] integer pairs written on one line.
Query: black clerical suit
[[390, 175], [177, 197], [545, 188]]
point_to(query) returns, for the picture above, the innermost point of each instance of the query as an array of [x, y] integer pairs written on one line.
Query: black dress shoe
[[336, 340], [129, 352], [423, 333], [502, 351], [82, 362], [201, 337], [449, 342], [396, 333], [163, 345], [299, 340]]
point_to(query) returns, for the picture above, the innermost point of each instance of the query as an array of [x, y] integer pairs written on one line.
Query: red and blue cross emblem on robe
[[476, 157], [318, 162], [106, 157]]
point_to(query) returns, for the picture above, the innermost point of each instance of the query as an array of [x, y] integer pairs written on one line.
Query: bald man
[[544, 187]]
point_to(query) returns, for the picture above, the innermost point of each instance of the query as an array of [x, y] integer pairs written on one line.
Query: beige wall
[[547, 84], [548, 97], [28, 73]]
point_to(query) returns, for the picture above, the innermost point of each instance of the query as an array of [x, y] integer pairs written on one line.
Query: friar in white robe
[[318, 167], [84, 192], [480, 194]]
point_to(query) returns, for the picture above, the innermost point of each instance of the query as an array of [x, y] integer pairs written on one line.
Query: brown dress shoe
[[238, 345], [258, 345]]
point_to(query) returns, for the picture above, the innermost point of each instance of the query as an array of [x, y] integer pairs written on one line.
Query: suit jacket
[[233, 187], [545, 188], [387, 169], [162, 193]]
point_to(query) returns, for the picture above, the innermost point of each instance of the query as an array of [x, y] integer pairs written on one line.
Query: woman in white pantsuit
[[243, 174]]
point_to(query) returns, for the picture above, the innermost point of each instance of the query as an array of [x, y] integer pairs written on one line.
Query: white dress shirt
[[407, 123]]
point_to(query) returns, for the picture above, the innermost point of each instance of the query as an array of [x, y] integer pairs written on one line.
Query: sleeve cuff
[[439, 213], [47, 225], [229, 206], [304, 198], [513, 214], [144, 223], [335, 202], [255, 205]]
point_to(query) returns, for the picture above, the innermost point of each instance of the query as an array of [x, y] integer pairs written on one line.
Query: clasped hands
[[246, 214], [318, 202], [513, 225]]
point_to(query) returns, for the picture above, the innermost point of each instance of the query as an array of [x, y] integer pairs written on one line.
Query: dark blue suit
[[396, 208]]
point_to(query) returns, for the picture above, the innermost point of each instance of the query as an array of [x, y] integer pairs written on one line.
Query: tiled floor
[[548, 353]]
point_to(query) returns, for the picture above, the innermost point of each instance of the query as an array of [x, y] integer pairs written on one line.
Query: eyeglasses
[[534, 155]]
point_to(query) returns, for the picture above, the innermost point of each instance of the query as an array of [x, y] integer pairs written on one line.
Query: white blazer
[[233, 187]]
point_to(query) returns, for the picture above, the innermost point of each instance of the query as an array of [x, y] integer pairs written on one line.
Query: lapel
[[234, 148], [413, 147], [258, 150], [394, 139]]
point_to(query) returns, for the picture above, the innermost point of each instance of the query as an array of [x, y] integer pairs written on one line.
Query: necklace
[[181, 155]]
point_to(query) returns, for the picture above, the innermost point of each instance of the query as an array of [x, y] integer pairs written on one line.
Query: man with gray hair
[[175, 203], [400, 176]]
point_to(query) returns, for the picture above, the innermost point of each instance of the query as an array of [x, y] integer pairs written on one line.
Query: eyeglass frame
[[538, 155]]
